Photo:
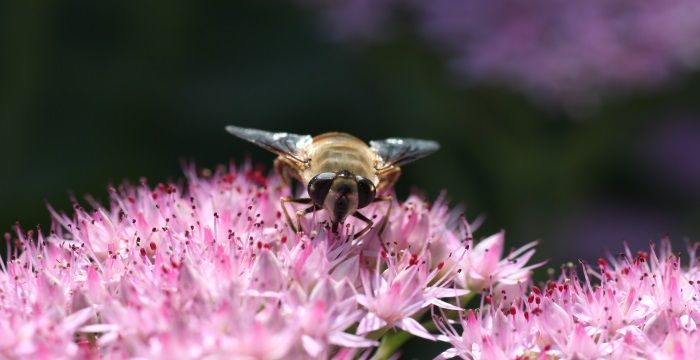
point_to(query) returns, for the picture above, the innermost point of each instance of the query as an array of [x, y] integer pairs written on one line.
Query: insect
[[341, 173]]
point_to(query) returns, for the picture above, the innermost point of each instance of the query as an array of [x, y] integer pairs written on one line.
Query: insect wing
[[398, 152], [290, 145]]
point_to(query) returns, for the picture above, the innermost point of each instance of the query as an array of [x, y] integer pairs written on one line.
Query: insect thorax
[[335, 152]]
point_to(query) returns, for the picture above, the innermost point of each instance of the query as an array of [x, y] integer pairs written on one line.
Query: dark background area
[[93, 93]]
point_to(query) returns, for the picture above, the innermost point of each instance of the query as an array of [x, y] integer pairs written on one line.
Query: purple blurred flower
[[209, 268], [645, 306], [554, 50], [571, 51]]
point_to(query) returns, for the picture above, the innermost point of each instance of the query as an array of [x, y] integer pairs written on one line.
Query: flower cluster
[[643, 306], [551, 49], [209, 268]]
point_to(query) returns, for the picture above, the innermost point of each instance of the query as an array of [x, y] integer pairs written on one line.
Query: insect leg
[[301, 213], [284, 201], [367, 221], [385, 220]]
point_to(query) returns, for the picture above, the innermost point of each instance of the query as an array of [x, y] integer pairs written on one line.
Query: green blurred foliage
[[93, 93]]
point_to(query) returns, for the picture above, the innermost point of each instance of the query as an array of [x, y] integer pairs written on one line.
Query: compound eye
[[365, 192], [319, 187]]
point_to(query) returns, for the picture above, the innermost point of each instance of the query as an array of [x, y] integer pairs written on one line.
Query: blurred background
[[576, 126]]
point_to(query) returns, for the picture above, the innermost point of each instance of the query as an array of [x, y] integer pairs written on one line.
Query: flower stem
[[390, 343]]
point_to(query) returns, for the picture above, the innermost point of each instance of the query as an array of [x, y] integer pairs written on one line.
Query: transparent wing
[[281, 143], [398, 152]]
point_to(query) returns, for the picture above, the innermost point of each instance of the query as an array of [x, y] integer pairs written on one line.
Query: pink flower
[[393, 296], [644, 307], [483, 267], [330, 309], [209, 268]]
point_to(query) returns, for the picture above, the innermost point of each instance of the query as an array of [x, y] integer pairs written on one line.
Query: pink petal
[[324, 291], [311, 346], [447, 354], [370, 323], [99, 328], [74, 320], [581, 345], [348, 269], [444, 305], [349, 340], [411, 326], [491, 351], [447, 292], [266, 272]]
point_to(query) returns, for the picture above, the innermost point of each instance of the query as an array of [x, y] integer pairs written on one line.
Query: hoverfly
[[341, 173]]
